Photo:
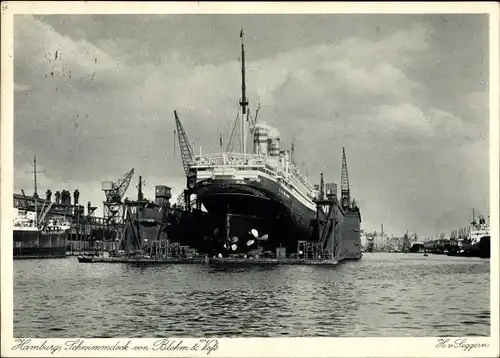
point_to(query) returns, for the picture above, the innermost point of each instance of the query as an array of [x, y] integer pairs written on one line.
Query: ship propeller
[[255, 234]]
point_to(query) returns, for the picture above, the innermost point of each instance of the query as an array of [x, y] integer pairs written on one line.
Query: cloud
[[21, 88], [404, 119], [400, 47], [373, 95], [447, 124]]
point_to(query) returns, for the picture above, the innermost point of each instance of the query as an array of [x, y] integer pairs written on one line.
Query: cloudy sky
[[407, 95]]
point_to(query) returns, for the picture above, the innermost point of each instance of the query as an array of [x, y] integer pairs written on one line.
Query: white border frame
[[240, 347]]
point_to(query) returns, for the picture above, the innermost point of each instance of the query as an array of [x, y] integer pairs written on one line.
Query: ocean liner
[[258, 197]]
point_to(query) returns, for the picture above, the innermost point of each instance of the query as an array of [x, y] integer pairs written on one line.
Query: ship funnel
[[266, 140], [260, 140], [273, 141]]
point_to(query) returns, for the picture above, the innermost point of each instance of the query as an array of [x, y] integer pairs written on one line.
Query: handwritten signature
[[460, 343]]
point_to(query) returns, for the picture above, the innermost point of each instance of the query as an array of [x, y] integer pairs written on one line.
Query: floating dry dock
[[339, 247], [336, 239], [209, 261]]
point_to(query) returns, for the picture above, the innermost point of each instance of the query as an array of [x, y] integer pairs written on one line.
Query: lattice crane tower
[[345, 195], [113, 205], [184, 145]]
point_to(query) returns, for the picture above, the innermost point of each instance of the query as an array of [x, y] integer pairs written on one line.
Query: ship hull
[[261, 205], [480, 249], [233, 208], [36, 244]]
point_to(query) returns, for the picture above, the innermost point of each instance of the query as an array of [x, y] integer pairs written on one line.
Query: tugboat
[[85, 258]]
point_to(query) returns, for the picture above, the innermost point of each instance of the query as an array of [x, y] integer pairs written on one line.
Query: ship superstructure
[[478, 230], [35, 234], [34, 237], [478, 238]]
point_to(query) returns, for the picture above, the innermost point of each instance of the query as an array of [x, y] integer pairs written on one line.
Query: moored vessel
[[31, 240], [477, 241], [35, 234], [257, 199]]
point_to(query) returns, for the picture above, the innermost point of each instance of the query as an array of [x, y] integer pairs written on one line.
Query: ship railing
[[300, 183], [232, 161], [269, 165], [228, 159], [294, 180], [23, 223], [298, 176]]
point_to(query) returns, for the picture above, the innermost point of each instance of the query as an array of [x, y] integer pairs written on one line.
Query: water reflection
[[381, 295]]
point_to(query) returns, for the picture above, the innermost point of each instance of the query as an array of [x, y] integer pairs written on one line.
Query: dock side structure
[[338, 224]]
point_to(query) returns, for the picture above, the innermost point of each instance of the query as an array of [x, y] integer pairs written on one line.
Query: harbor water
[[383, 294]]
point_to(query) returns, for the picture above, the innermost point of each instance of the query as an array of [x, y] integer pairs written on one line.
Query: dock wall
[[344, 238], [350, 238], [79, 246]]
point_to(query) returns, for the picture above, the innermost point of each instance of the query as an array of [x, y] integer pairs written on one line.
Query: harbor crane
[[345, 196], [184, 145], [187, 157], [113, 205]]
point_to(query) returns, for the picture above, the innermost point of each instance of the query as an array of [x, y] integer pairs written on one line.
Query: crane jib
[[184, 145]]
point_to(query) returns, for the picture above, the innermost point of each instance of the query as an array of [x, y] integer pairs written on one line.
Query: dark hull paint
[[417, 248], [85, 258], [36, 244], [251, 205], [256, 205], [482, 249]]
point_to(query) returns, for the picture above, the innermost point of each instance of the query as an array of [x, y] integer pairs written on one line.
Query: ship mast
[[35, 195], [244, 101]]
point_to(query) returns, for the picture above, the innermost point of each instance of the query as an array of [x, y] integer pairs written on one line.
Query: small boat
[[84, 258]]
